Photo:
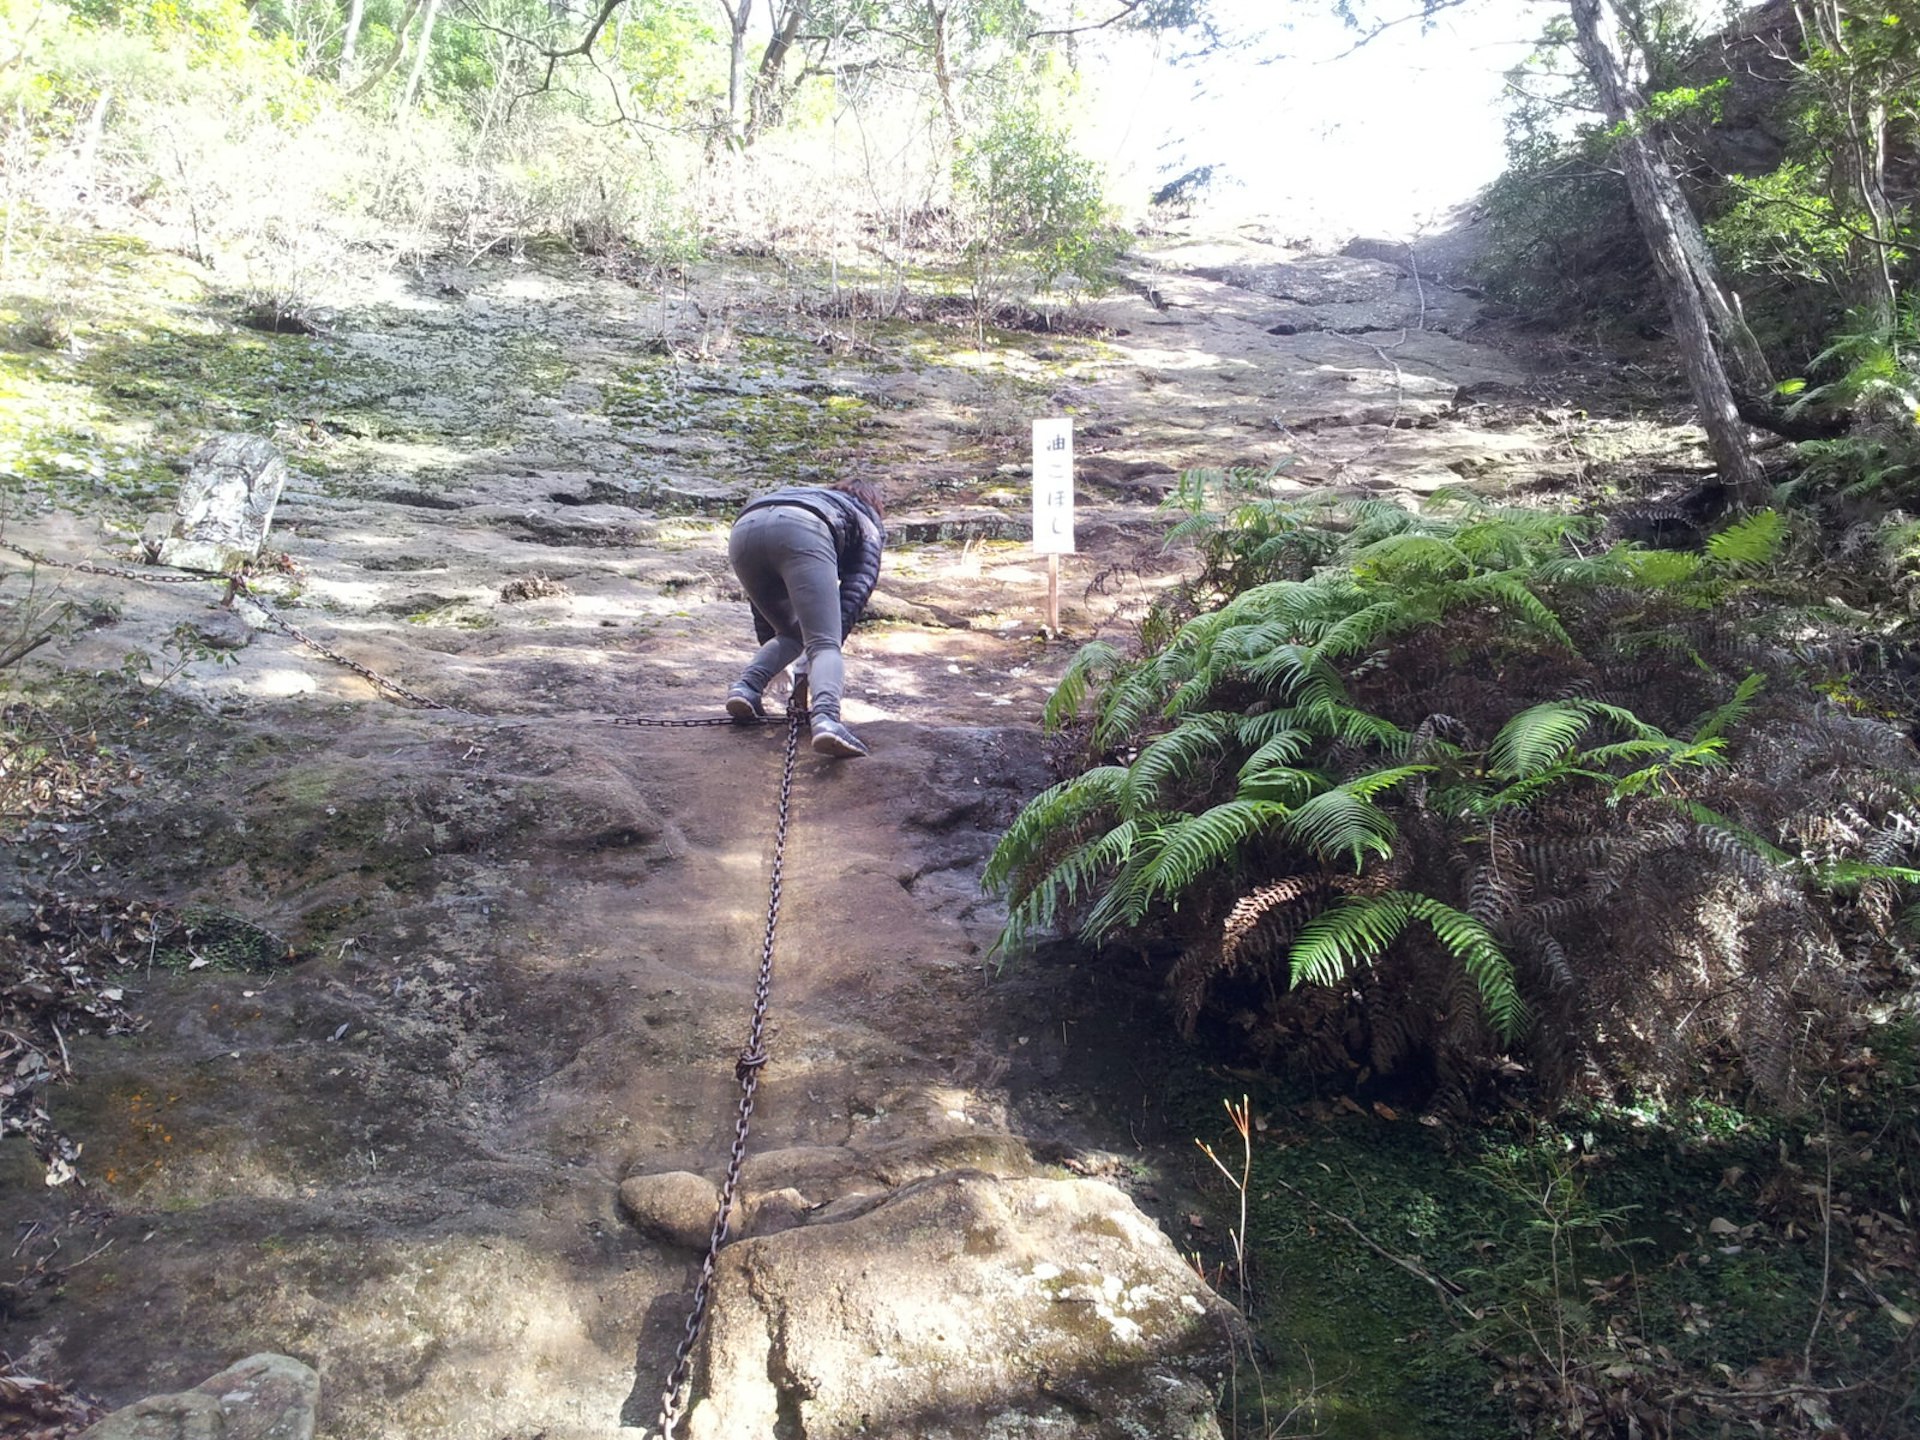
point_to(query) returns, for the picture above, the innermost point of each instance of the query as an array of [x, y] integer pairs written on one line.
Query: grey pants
[[785, 558]]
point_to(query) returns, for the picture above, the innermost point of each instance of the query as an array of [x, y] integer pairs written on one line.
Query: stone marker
[[264, 1397], [966, 1306], [225, 507]]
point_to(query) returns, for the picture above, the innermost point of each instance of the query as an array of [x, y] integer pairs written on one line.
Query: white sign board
[[1053, 487]]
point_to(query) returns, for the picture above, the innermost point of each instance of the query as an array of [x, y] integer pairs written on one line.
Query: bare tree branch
[[1127, 9], [1425, 13], [385, 67]]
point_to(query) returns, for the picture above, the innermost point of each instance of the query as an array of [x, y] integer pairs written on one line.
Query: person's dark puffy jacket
[[858, 538]]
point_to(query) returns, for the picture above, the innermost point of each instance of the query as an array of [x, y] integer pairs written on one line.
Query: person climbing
[[808, 557]]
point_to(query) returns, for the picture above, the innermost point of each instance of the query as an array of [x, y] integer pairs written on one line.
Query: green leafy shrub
[[1872, 370], [1420, 795], [1031, 209]]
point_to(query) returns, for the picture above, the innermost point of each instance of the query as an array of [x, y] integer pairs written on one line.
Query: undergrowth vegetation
[[1475, 797], [286, 147]]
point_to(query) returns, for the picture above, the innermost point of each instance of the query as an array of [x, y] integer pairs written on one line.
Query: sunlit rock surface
[[968, 1305], [264, 1397]]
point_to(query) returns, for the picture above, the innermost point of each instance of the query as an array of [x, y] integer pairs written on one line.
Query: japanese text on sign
[[1053, 487]]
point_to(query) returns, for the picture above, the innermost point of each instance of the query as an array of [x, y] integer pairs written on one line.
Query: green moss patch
[[781, 422]]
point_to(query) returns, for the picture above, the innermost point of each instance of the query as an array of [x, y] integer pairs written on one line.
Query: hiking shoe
[[744, 703], [830, 737]]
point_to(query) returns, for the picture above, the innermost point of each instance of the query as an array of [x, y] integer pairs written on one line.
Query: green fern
[[1507, 591], [1174, 755], [1357, 931], [1751, 543], [1537, 737], [1189, 847], [1093, 662], [1323, 730], [1279, 749], [1723, 718], [1056, 810], [1072, 878], [1342, 823]]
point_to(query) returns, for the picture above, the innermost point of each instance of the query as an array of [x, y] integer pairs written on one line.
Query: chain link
[[373, 677], [643, 722], [753, 1059], [237, 584], [87, 567]]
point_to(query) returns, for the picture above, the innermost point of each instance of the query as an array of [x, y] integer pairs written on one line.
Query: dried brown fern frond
[[1251, 924]]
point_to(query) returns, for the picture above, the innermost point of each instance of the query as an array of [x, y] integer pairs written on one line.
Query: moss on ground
[[782, 419], [149, 366]]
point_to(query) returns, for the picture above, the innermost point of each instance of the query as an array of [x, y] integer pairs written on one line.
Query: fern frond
[[1176, 754], [1279, 750], [1733, 712], [1250, 910], [1750, 543], [1194, 527], [1094, 660], [1282, 785], [1341, 823], [1050, 814], [1601, 755], [1194, 844], [1508, 592], [1845, 875], [1128, 702], [1358, 631], [1375, 781], [1661, 569], [1065, 884], [1473, 945], [1586, 572], [1407, 554], [1538, 737], [1291, 669], [1345, 935]]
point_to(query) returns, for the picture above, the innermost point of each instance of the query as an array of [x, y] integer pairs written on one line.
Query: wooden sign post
[[1053, 504]]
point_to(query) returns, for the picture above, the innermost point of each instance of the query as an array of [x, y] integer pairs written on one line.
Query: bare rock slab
[[227, 499], [966, 1306], [264, 1397]]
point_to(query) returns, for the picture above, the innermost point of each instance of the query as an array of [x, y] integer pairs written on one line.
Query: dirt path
[[532, 935]]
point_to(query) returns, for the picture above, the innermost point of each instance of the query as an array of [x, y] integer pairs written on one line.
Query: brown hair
[[865, 491]]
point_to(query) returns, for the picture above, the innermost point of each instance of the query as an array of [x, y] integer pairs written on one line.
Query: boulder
[[225, 507], [676, 1207], [968, 1305], [264, 1397]]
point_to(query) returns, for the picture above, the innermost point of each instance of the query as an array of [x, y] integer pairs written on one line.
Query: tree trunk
[[942, 74], [1596, 22], [769, 83], [80, 169], [385, 67], [1860, 161], [739, 13], [350, 39], [1654, 206], [419, 60]]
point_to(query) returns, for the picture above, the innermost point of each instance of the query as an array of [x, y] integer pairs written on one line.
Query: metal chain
[[753, 1058], [643, 722], [86, 567], [373, 677], [753, 1055]]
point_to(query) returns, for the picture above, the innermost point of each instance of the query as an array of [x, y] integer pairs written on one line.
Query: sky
[[1379, 141]]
